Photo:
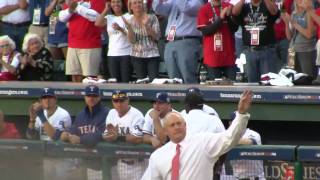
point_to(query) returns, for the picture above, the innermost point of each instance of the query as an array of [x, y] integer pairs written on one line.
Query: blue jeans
[[120, 68], [259, 62], [15, 33], [218, 72], [181, 58], [282, 54], [146, 67]]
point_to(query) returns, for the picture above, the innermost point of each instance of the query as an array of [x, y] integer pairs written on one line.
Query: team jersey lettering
[[87, 129]]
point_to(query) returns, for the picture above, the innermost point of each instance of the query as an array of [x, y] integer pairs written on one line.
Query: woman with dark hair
[[119, 46]]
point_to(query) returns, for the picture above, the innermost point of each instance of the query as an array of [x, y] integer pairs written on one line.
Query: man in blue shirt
[[89, 124], [39, 21], [183, 48]]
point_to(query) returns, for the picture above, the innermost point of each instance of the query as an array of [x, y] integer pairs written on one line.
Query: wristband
[[41, 116]]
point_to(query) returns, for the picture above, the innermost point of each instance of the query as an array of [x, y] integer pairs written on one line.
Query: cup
[[239, 77]]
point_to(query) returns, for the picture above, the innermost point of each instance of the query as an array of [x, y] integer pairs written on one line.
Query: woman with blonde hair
[[300, 30], [36, 63], [9, 59], [143, 33]]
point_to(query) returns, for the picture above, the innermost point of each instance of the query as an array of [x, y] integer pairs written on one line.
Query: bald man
[[195, 155]]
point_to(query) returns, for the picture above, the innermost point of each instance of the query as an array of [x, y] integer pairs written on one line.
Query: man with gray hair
[[178, 157]]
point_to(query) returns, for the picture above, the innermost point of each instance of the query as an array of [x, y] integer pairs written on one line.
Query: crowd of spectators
[[198, 32]]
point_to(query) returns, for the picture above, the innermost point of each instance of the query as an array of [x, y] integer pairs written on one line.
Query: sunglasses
[[4, 46], [118, 100]]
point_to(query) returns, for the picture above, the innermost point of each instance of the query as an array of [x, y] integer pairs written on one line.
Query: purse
[[291, 57]]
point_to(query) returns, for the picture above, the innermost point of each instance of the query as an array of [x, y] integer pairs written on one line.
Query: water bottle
[[203, 74]]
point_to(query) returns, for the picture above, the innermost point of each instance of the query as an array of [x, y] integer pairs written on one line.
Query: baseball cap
[[47, 92], [162, 97], [119, 94], [194, 90], [92, 90], [194, 98]]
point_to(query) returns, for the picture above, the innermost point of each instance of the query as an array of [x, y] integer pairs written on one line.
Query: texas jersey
[[60, 120]]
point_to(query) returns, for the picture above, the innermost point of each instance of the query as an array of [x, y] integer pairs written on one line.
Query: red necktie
[[175, 164]]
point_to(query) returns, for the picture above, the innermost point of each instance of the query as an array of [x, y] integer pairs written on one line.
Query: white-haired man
[[178, 157]]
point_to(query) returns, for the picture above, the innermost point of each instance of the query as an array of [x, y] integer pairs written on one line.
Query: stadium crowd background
[[41, 32], [103, 44]]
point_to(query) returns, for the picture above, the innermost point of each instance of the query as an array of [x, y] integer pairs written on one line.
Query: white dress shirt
[[199, 152], [16, 16]]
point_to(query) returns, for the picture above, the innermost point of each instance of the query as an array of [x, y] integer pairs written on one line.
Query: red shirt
[[10, 132], [82, 32], [279, 26], [279, 29], [214, 58], [318, 27]]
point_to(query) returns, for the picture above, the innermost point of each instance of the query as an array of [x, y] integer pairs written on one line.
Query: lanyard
[[214, 11], [257, 10]]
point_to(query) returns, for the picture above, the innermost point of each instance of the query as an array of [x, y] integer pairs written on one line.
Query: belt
[[250, 178], [185, 37], [16, 25], [43, 25], [259, 48]]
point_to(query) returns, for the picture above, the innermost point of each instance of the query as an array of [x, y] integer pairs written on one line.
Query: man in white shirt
[[196, 119], [153, 132], [15, 20], [192, 157], [205, 108], [124, 123], [47, 121]]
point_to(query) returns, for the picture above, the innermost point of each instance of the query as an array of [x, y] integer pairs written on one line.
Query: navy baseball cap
[[162, 97], [194, 98], [119, 94], [47, 92], [92, 90], [194, 90]]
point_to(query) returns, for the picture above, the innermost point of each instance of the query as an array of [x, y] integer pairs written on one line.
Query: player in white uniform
[[196, 119], [246, 169], [47, 121], [153, 132], [124, 123], [205, 108]]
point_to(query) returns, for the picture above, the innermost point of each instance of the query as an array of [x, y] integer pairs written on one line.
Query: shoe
[[316, 81]]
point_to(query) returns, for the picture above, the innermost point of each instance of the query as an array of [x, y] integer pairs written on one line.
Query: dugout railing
[[23, 159]]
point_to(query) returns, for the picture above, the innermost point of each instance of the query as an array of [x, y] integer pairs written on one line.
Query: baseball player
[[205, 107], [247, 169], [47, 121], [88, 126], [153, 132], [196, 119], [124, 123]]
